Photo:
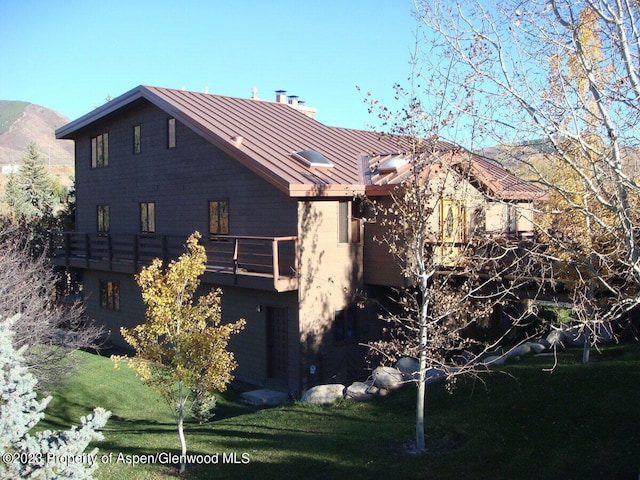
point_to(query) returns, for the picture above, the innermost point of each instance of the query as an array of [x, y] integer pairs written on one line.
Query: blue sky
[[69, 55]]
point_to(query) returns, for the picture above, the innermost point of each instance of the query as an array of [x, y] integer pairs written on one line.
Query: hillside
[[23, 122]]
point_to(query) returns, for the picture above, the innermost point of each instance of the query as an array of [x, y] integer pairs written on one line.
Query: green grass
[[579, 422]]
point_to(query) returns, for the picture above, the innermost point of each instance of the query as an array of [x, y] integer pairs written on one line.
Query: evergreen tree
[[31, 193], [47, 454]]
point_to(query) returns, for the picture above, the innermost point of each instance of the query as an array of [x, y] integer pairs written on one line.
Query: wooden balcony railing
[[239, 260]]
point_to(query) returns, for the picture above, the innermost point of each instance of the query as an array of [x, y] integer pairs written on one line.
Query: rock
[[536, 347], [358, 391], [574, 336], [434, 375], [494, 360], [544, 343], [556, 338], [409, 367], [321, 394], [388, 378], [519, 351], [372, 390]]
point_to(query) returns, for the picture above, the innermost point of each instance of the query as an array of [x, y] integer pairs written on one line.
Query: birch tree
[[565, 73], [181, 348]]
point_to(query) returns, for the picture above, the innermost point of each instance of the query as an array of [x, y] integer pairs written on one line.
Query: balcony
[[265, 263]]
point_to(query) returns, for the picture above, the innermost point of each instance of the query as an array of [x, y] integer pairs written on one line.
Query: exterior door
[[277, 343]]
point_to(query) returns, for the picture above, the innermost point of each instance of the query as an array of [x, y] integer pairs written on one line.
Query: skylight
[[312, 158], [391, 165]]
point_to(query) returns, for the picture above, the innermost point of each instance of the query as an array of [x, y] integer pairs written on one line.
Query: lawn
[[581, 421]]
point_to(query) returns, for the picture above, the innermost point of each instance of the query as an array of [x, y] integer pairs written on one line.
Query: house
[[275, 194]]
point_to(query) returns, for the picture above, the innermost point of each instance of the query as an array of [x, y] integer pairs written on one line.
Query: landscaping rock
[[434, 375], [544, 343], [556, 338], [574, 336], [359, 391], [388, 378], [519, 351], [321, 394], [494, 360], [536, 347], [409, 367]]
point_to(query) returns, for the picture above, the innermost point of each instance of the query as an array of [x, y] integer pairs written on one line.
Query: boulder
[[494, 360], [544, 343], [434, 375], [408, 367], [321, 394], [536, 347], [574, 336], [358, 391], [388, 378], [556, 338], [519, 351]]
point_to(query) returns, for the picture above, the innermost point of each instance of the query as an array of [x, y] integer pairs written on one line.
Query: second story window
[[103, 218], [148, 217], [452, 221], [137, 143], [100, 151], [219, 217], [171, 133], [510, 218]]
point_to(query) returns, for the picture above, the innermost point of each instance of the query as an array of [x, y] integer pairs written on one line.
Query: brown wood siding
[[180, 181]]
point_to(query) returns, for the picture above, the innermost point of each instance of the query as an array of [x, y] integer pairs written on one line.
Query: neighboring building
[[276, 196]]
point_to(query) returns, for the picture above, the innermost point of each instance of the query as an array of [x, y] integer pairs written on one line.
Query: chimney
[[292, 100], [281, 96]]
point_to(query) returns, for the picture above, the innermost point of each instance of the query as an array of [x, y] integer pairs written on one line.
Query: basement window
[[312, 158]]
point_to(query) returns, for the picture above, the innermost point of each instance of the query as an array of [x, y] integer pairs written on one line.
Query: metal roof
[[263, 135]]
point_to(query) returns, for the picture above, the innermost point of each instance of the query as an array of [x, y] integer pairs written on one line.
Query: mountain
[[23, 122]]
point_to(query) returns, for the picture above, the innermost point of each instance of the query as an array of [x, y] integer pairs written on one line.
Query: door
[[277, 343]]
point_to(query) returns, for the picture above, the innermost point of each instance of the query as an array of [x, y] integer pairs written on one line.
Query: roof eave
[[323, 190], [66, 131]]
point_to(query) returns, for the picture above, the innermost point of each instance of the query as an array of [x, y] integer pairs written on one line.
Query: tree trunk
[[586, 347], [183, 442], [422, 392], [422, 366]]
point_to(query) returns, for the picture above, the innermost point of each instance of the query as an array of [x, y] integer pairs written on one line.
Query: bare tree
[[565, 73], [50, 329], [459, 273]]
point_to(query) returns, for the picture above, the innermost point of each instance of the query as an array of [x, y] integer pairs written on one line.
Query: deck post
[[275, 259], [235, 261]]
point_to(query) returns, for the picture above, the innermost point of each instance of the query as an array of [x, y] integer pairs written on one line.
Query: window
[[219, 217], [345, 325], [109, 294], [148, 217], [137, 146], [510, 218], [348, 226], [103, 218], [100, 151], [171, 133], [452, 221]]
